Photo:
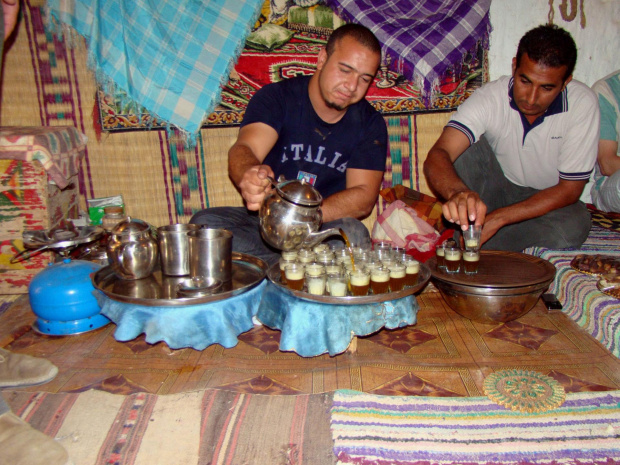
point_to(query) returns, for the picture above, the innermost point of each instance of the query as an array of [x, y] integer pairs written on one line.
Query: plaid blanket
[[424, 38], [170, 56]]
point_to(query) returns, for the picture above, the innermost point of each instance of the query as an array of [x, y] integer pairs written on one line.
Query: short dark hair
[[360, 33], [549, 45]]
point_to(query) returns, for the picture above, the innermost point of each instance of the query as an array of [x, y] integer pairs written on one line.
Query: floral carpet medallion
[[524, 391]]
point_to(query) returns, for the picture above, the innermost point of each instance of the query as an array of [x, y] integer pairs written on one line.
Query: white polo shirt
[[562, 143]]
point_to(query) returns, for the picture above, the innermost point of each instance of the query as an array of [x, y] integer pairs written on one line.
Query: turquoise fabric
[[313, 328], [170, 56], [196, 326]]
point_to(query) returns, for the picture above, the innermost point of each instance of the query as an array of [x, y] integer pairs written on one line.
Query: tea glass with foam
[[452, 257]]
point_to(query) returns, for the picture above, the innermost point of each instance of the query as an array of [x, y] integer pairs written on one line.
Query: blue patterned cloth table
[[312, 328], [197, 326]]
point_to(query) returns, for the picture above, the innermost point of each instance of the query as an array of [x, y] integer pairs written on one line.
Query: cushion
[[269, 37]]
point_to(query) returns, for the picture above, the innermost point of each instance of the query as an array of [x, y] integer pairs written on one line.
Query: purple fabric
[[423, 38]]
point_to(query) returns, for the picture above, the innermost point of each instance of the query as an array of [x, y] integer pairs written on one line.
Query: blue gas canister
[[62, 298]]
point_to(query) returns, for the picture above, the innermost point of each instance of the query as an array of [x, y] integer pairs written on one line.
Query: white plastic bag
[[400, 225]]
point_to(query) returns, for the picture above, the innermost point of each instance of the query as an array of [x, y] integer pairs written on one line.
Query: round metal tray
[[159, 290], [499, 270], [424, 275]]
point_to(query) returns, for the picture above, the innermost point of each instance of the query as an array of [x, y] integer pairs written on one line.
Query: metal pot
[[290, 216], [506, 286], [132, 250], [490, 305]]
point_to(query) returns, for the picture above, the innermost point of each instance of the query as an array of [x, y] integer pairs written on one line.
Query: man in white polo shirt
[[517, 154]]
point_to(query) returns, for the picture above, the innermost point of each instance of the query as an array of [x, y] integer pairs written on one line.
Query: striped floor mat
[[199, 427], [597, 313], [370, 429]]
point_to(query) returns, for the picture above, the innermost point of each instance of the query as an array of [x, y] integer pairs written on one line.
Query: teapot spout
[[317, 237]]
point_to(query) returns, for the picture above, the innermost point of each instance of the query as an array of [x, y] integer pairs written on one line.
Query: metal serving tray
[[159, 290], [424, 275], [499, 270]]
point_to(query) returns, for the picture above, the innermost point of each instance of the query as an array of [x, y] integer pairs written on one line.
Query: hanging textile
[[169, 56], [422, 38]]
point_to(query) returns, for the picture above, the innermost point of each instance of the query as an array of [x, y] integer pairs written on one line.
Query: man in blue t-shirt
[[320, 129]]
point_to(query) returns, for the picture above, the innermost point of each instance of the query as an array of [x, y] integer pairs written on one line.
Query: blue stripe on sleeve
[[464, 129], [584, 176]]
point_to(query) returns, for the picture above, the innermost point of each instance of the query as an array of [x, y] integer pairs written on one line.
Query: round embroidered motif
[[524, 391]]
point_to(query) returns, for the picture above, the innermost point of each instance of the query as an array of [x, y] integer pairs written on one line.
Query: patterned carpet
[[443, 355]]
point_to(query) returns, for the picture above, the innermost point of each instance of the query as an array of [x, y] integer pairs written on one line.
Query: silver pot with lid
[[290, 215], [132, 250]]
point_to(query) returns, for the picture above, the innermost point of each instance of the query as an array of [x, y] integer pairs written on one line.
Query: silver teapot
[[132, 250], [290, 215]]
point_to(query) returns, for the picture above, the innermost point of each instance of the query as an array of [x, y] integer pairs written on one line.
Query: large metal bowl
[[507, 286], [488, 305]]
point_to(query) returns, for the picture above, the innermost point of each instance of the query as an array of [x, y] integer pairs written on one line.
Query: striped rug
[[597, 313], [199, 427], [382, 430]]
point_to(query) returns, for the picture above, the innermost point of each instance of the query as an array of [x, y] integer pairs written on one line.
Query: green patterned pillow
[[269, 37]]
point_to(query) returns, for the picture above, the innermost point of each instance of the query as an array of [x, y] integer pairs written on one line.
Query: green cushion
[[269, 37]]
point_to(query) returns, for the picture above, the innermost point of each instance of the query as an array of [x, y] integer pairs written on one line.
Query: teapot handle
[[272, 181]]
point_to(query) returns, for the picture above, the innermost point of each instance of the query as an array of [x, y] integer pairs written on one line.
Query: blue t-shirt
[[308, 147]]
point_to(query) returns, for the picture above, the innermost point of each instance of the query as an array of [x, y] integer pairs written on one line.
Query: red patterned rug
[[390, 93]]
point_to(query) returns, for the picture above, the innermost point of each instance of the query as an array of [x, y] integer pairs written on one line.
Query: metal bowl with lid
[[506, 287]]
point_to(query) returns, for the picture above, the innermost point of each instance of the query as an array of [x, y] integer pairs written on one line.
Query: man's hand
[[465, 206], [462, 204], [254, 185], [245, 160]]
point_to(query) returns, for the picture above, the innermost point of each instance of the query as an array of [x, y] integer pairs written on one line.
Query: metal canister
[[210, 252], [174, 248]]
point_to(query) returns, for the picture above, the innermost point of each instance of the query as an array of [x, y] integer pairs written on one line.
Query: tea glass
[[294, 273], [412, 269], [325, 256], [315, 281], [452, 257], [380, 280], [305, 256], [320, 248], [471, 259], [314, 269], [282, 263], [471, 237], [359, 280], [440, 254], [337, 284], [398, 273]]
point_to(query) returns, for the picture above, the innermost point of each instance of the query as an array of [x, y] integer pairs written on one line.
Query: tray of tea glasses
[[274, 275]]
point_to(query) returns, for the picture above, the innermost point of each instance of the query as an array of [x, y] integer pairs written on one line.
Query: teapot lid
[[130, 226], [299, 192]]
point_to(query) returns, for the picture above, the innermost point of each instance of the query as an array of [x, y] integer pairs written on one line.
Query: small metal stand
[[385, 82]]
